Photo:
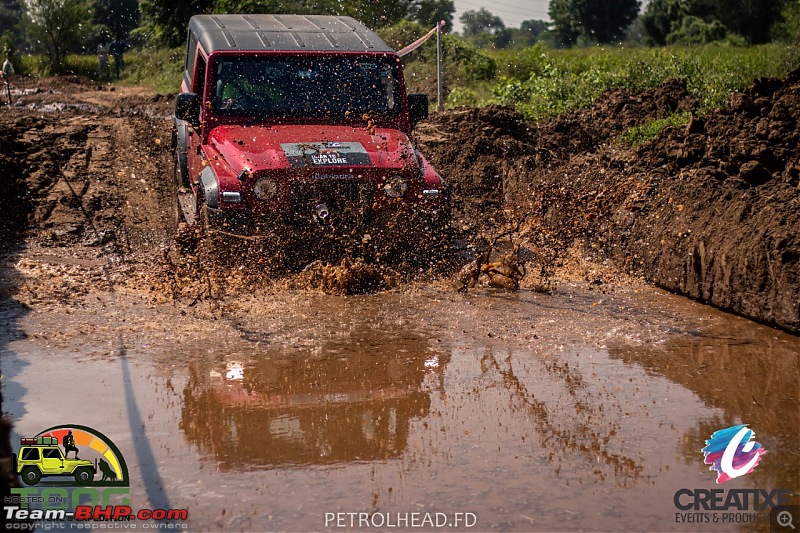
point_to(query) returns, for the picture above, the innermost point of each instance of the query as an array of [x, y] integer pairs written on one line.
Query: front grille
[[348, 200]]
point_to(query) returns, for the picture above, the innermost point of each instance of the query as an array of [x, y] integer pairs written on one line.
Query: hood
[[254, 148], [78, 462]]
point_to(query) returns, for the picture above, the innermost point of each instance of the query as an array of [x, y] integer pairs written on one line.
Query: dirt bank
[[709, 210]]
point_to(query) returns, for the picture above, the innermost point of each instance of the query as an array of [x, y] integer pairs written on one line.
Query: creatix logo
[[732, 453]]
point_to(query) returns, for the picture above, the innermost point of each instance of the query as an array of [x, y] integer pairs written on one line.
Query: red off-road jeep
[[298, 122]]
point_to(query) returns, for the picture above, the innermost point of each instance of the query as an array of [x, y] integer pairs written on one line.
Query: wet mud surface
[[262, 397]]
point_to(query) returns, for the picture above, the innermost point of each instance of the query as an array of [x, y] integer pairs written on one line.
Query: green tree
[[430, 12], [533, 29], [528, 34], [380, 13], [11, 16], [566, 22], [788, 28], [318, 7], [165, 22], [116, 16], [596, 20], [481, 21], [59, 25], [660, 18], [752, 19], [694, 30], [485, 29], [402, 34]]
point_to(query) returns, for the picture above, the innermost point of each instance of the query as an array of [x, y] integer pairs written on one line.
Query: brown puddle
[[575, 410]]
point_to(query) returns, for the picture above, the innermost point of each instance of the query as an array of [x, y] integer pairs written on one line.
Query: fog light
[[265, 189], [395, 186], [231, 197]]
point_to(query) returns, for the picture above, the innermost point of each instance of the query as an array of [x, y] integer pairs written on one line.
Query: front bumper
[[398, 217]]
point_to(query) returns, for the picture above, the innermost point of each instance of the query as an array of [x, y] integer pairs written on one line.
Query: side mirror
[[417, 107], [187, 107]]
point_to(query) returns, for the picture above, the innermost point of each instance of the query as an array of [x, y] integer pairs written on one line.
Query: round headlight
[[265, 189], [395, 186]]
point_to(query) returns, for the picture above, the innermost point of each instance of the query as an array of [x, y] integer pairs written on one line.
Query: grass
[[542, 83], [160, 68], [648, 131]]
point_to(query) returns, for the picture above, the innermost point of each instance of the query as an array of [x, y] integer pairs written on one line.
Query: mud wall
[[710, 210]]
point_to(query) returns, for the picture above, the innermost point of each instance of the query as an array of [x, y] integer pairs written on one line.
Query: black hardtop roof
[[285, 32]]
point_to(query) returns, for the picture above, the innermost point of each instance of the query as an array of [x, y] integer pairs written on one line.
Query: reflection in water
[[303, 409], [749, 373]]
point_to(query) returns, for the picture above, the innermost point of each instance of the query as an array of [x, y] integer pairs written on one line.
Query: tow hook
[[321, 211]]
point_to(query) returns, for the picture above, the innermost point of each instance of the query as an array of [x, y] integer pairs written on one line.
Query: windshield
[[306, 86]]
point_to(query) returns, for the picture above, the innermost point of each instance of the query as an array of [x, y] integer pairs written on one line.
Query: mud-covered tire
[[30, 475], [179, 217], [178, 178], [83, 475], [201, 210]]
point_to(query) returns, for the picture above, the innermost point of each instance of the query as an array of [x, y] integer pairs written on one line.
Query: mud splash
[[348, 277]]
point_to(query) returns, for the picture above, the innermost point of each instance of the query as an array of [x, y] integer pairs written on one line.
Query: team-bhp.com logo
[[732, 452], [46, 459], [60, 486]]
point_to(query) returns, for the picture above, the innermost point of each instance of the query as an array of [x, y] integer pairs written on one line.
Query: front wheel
[[201, 209], [31, 475], [181, 181], [83, 475]]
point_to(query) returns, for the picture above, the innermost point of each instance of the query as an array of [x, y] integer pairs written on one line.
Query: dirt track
[[710, 211]]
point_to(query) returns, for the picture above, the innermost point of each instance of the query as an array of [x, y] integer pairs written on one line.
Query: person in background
[[103, 72], [6, 73], [117, 48]]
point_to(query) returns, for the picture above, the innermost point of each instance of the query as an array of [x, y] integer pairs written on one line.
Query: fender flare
[[179, 134], [208, 180]]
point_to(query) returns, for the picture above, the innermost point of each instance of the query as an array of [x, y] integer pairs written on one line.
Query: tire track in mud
[[80, 173]]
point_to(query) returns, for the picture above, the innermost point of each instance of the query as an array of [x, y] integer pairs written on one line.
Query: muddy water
[[576, 410]]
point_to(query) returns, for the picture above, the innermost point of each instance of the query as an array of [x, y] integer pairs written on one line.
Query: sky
[[513, 12]]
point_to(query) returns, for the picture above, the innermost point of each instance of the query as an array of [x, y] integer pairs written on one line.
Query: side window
[[200, 75], [52, 453], [191, 51], [30, 454]]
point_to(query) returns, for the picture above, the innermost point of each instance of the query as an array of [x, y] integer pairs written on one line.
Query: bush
[[693, 30], [402, 34], [461, 96], [162, 68], [561, 81]]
